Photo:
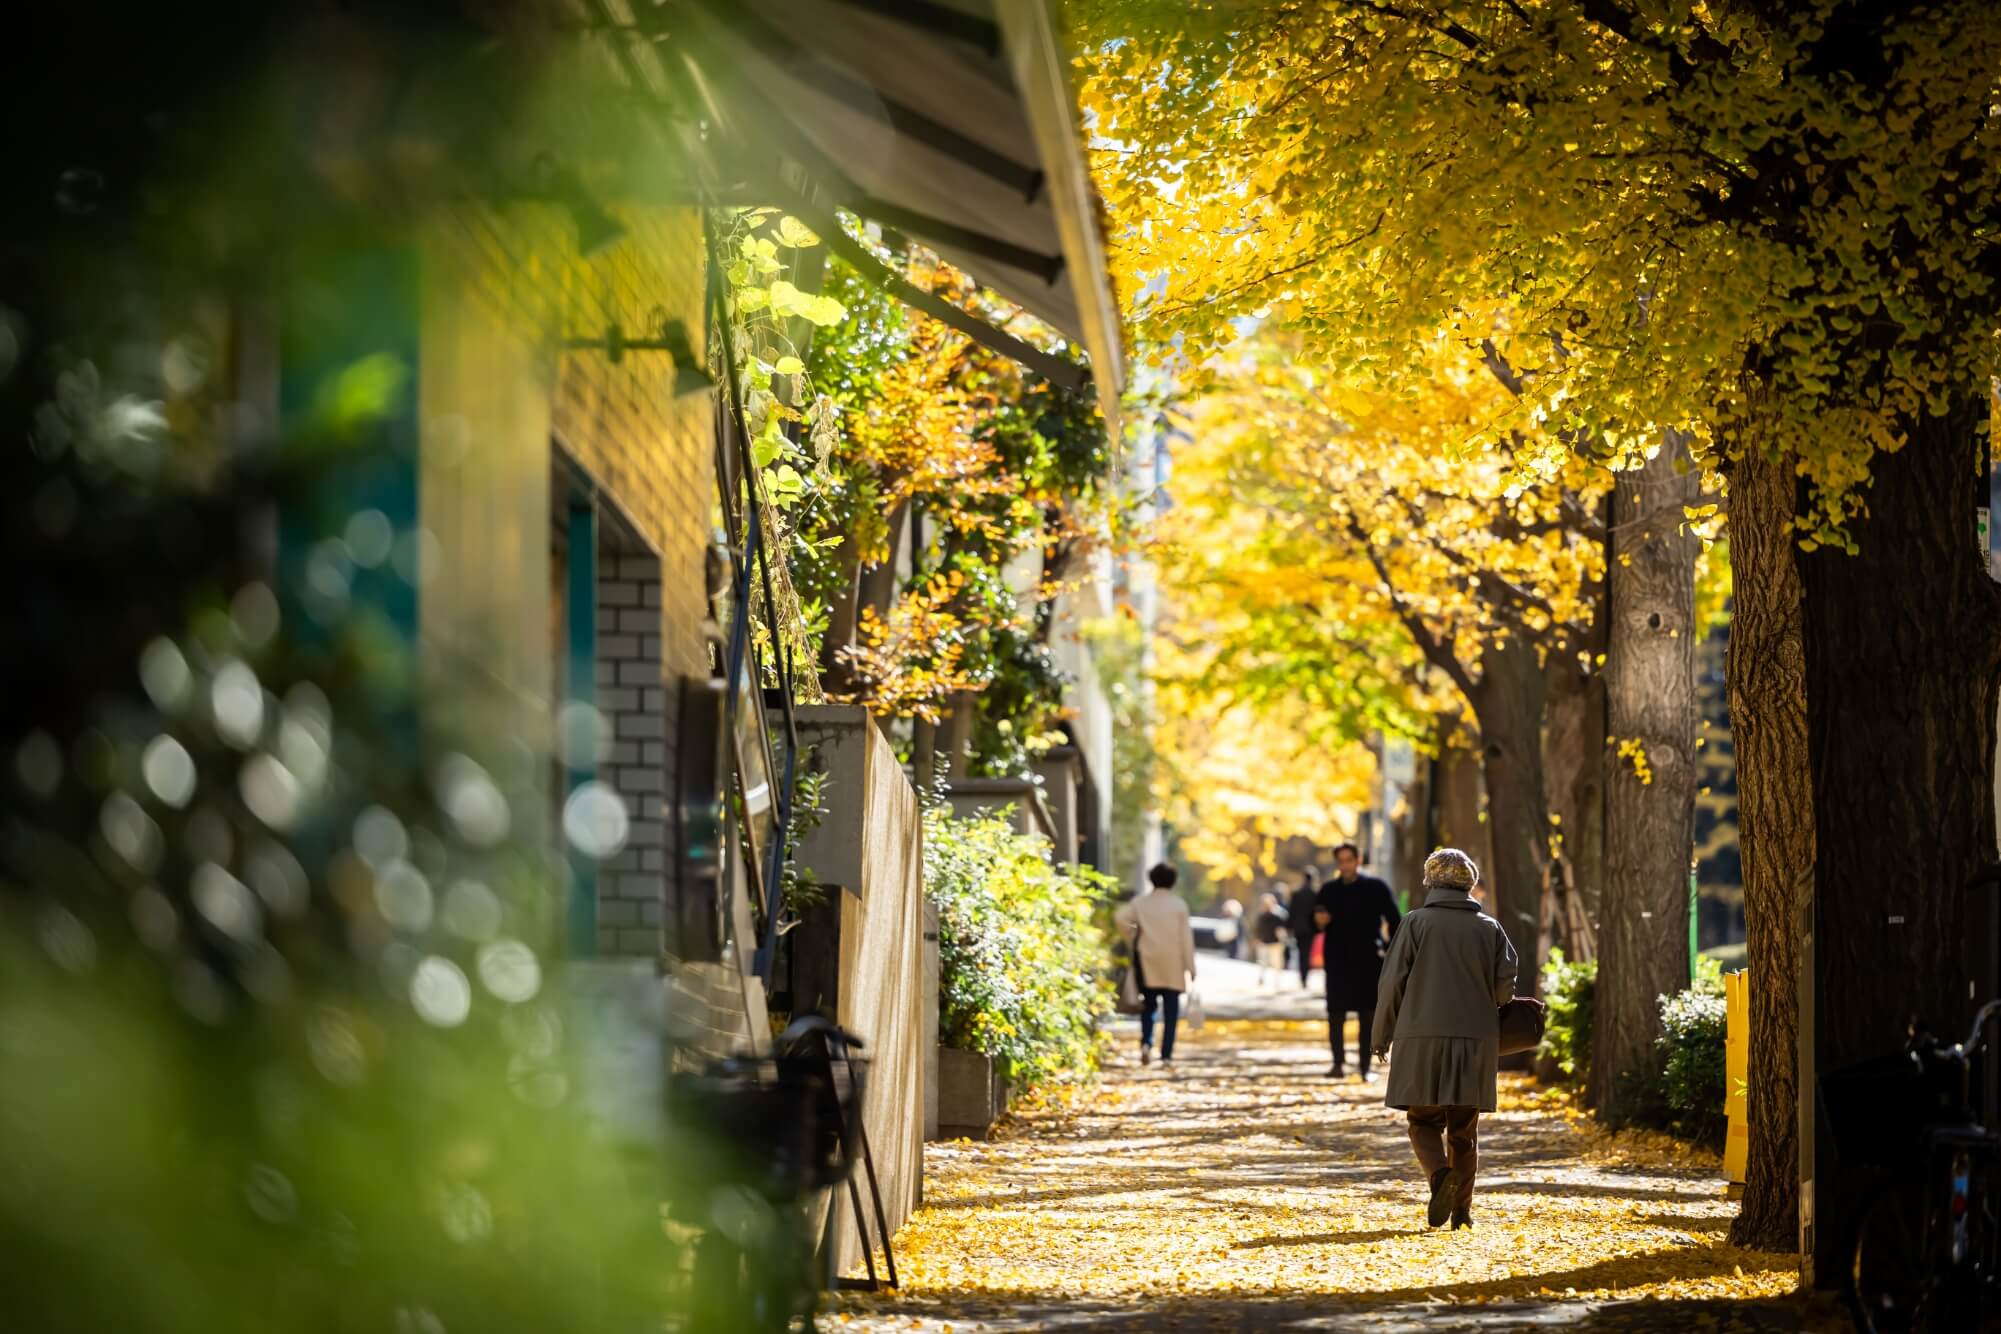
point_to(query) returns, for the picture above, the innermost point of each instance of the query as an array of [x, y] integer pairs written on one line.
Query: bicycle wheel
[[1888, 1282]]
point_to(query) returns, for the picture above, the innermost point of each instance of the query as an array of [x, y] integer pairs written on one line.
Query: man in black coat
[[1357, 914], [1300, 923]]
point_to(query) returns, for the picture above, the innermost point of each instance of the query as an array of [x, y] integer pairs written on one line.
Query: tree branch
[[1435, 653], [1511, 379], [1466, 37], [1259, 279], [1616, 19]]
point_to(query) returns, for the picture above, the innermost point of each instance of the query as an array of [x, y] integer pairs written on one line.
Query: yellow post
[[1736, 1068]]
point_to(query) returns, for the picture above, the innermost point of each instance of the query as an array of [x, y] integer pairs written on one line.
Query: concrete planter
[[986, 796], [972, 1093]]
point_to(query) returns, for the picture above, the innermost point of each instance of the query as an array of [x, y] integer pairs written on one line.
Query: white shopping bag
[[1193, 1018]]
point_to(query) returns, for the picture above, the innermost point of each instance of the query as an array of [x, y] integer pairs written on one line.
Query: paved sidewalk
[[1242, 1189], [1230, 990]]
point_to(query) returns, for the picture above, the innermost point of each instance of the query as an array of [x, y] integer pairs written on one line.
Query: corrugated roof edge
[[1041, 74]]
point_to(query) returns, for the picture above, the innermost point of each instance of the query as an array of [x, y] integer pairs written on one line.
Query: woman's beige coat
[[1166, 951]]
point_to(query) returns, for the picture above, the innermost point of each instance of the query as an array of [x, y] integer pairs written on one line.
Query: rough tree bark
[[1583, 805], [1460, 806], [877, 586], [956, 736], [860, 586], [843, 613], [1574, 756], [1650, 791], [1574, 751], [1509, 702], [924, 756], [1411, 827], [1767, 670], [1903, 641]]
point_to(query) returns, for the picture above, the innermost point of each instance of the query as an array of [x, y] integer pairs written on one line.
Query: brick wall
[[632, 696], [650, 457]]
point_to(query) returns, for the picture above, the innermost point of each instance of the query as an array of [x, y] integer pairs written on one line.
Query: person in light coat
[[1268, 930], [1156, 925], [1450, 969]]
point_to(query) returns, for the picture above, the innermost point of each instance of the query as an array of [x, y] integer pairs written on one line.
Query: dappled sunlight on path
[[1241, 1188]]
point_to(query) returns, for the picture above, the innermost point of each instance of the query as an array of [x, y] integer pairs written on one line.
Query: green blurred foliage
[[284, 1038]]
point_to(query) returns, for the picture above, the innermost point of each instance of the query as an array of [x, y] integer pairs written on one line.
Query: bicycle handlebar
[[1923, 1044], [813, 1024], [1980, 1018]]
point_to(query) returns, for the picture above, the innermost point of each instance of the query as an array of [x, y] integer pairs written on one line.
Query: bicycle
[[1928, 1251], [765, 1136]]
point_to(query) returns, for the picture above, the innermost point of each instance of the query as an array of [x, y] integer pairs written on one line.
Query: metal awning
[[950, 121]]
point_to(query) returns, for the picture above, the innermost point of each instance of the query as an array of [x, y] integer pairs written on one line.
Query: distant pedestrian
[[1450, 968], [1299, 919], [1268, 935], [1231, 932], [1357, 916], [1156, 925]]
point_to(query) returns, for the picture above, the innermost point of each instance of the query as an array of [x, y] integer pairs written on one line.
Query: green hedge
[[1686, 1096], [1021, 957], [1569, 989], [1694, 1024]]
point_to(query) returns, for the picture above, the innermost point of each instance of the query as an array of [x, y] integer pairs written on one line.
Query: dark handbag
[[1127, 999], [1521, 1022]]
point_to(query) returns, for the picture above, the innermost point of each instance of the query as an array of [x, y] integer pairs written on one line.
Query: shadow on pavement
[[1003, 1314]]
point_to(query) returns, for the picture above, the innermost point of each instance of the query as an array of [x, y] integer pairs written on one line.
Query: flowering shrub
[[1694, 1024], [1021, 959]]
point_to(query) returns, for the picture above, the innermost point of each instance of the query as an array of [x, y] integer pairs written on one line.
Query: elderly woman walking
[[1450, 967]]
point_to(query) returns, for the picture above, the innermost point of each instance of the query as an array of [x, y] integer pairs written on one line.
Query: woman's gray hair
[[1449, 868]]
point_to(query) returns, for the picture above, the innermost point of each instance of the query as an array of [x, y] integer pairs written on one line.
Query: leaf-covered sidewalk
[[1242, 1189]]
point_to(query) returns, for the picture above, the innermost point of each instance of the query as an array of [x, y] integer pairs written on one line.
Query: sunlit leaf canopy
[[1651, 207], [1319, 529], [1239, 780]]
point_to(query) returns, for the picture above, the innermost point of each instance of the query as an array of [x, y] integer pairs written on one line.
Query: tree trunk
[[1460, 803], [1652, 717], [1767, 669], [860, 587], [924, 757], [1510, 710], [843, 613], [1411, 828], [958, 736], [1902, 644], [877, 589], [1574, 755]]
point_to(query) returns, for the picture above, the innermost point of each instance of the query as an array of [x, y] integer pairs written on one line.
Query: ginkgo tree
[[1350, 550], [1238, 780], [1768, 224]]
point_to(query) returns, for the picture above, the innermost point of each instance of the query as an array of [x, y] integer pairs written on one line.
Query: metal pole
[[1694, 934]]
